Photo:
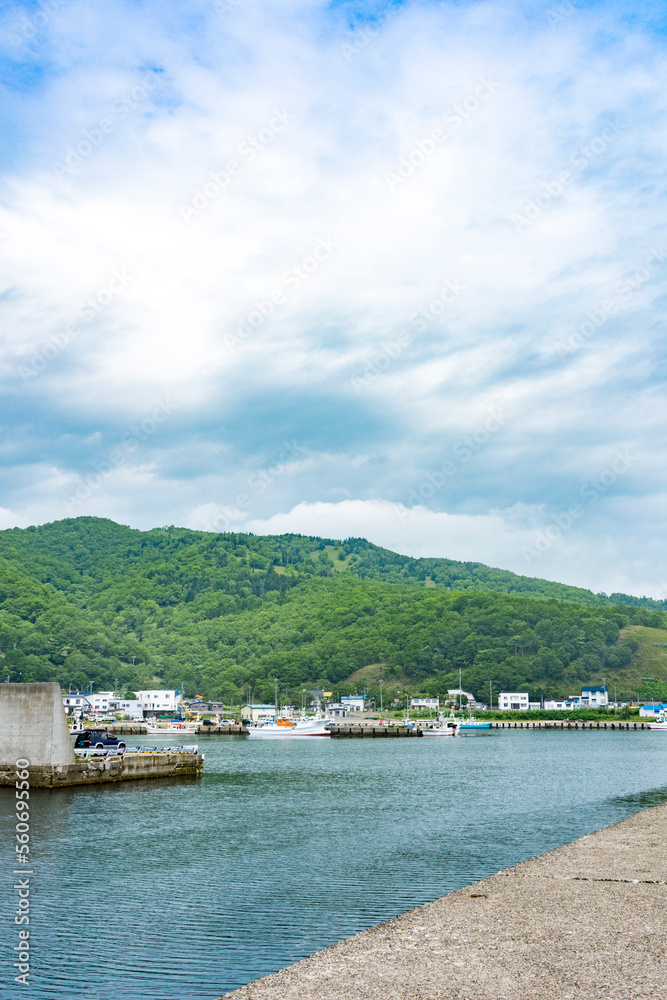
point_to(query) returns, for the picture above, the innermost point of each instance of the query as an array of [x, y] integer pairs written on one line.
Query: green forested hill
[[87, 600]]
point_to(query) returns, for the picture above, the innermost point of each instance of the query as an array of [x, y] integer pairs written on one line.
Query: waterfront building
[[258, 713], [513, 701], [354, 702], [651, 711], [562, 704], [76, 703], [164, 700], [424, 703], [594, 697], [457, 695], [337, 710]]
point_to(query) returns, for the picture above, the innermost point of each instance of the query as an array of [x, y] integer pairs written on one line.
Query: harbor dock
[[33, 729], [583, 922], [109, 768]]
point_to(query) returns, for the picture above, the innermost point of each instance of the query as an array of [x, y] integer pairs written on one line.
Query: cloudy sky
[[391, 270]]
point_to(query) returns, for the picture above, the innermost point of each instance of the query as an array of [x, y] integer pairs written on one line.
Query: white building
[[354, 702], [513, 701], [423, 703], [258, 713], [652, 711], [99, 703], [131, 707], [337, 710], [158, 701], [594, 697], [76, 703], [561, 704], [460, 696]]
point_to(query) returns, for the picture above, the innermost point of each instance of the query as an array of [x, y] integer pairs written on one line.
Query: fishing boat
[[660, 723], [446, 726], [471, 725], [170, 729], [281, 729]]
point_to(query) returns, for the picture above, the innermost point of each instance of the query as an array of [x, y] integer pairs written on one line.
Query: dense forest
[[87, 601]]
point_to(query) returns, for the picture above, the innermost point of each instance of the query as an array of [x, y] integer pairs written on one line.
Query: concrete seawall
[[92, 771], [586, 921]]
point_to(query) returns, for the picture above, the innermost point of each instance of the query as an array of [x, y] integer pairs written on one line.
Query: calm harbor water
[[184, 889]]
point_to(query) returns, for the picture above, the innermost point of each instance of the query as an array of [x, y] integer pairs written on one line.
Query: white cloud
[[328, 127]]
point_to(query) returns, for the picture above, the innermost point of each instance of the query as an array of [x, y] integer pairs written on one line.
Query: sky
[[348, 269]]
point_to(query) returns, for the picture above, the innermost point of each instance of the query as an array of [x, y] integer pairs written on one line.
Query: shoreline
[[586, 920]]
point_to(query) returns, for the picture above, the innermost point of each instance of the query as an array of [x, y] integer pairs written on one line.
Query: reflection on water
[[185, 889]]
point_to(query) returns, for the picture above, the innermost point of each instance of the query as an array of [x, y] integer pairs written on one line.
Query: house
[[594, 697], [131, 707], [99, 703], [354, 702], [258, 713], [76, 703], [337, 710], [459, 696], [651, 711], [424, 703], [513, 701], [561, 704], [158, 701]]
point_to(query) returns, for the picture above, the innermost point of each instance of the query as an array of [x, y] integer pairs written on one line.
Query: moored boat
[[446, 726], [317, 725], [170, 729]]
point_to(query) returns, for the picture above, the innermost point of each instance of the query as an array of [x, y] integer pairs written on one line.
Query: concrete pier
[[584, 922], [33, 728], [102, 770]]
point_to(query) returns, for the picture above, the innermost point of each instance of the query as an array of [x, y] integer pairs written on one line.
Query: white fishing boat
[[287, 729], [660, 723], [446, 726], [170, 729]]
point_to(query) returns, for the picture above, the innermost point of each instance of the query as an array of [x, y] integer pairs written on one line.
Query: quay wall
[[102, 770], [583, 922], [33, 725]]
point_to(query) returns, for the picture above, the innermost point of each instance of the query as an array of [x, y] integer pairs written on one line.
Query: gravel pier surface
[[587, 920]]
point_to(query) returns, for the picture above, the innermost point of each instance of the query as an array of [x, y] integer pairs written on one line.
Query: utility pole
[[490, 695], [275, 680], [381, 683]]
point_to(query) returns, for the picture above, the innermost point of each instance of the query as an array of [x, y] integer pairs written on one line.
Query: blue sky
[[392, 270]]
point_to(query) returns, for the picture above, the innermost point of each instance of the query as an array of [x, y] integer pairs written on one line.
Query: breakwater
[[107, 768], [583, 921]]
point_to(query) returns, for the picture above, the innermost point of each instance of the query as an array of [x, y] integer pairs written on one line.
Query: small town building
[[651, 711], [258, 713], [156, 701], [354, 702], [337, 710], [594, 697], [459, 696], [76, 703], [513, 701], [561, 704], [423, 703]]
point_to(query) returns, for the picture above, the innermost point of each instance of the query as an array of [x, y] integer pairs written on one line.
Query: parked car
[[97, 739]]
